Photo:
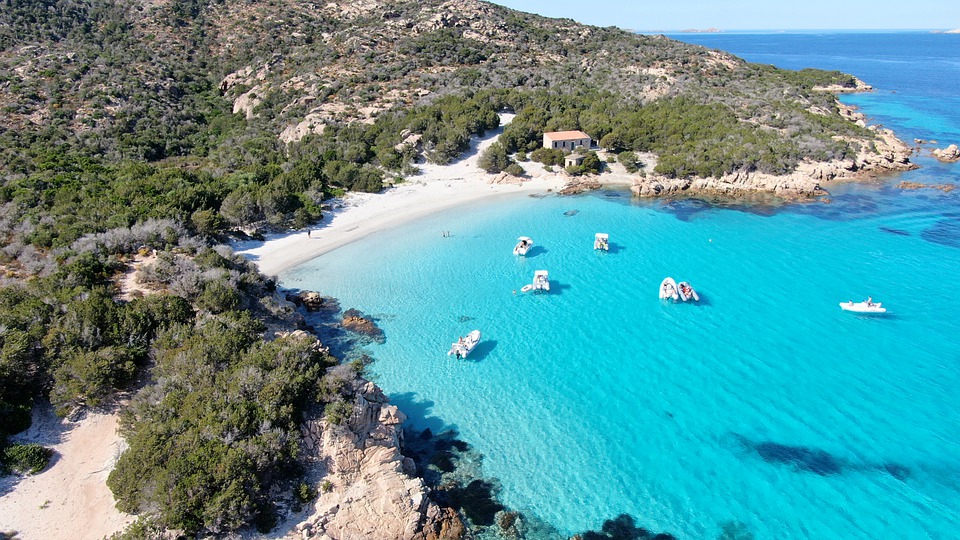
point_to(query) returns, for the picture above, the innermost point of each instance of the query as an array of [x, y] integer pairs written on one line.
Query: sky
[[667, 15]]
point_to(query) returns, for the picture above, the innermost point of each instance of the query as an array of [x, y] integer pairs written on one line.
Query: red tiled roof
[[565, 135]]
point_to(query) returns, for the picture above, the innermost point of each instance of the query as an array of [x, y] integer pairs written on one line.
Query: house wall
[[567, 144]]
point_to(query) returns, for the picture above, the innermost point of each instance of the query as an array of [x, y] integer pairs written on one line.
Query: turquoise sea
[[764, 405]]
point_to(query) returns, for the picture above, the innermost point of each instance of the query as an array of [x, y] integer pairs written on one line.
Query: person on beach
[[308, 233]]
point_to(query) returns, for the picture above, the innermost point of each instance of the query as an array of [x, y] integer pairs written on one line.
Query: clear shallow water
[[765, 404]]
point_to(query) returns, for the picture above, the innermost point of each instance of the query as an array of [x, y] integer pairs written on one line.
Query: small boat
[[602, 241], [463, 346], [523, 245], [687, 292], [541, 281], [867, 306], [668, 288]]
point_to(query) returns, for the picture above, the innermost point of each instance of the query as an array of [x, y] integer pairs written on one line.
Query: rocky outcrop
[[354, 321], [505, 178], [949, 154], [368, 490], [946, 188], [311, 300], [885, 153], [579, 185]]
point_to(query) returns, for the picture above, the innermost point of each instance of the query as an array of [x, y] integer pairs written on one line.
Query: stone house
[[573, 160], [566, 140]]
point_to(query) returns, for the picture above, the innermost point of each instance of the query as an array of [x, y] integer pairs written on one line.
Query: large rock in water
[[373, 494], [948, 154], [355, 321]]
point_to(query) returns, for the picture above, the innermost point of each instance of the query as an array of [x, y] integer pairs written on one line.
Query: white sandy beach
[[70, 498], [437, 188]]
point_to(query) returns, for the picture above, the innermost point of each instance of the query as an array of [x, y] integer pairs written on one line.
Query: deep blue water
[[764, 405]]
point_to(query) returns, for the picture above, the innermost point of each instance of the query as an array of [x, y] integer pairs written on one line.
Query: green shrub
[[515, 169], [305, 493], [26, 458], [338, 412]]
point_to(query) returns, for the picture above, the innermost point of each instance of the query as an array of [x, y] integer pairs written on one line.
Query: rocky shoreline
[[368, 488], [887, 154]]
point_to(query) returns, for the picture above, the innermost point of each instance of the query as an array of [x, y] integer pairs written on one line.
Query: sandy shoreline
[[70, 498], [371, 215], [435, 189]]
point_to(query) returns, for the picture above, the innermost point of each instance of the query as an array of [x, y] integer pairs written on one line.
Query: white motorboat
[[524, 243], [602, 241], [668, 288], [867, 306], [686, 292], [541, 281], [463, 346]]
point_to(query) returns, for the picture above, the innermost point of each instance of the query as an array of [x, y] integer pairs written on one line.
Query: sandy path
[[70, 499]]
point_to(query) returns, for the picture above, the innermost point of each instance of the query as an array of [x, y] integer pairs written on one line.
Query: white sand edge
[[70, 498], [437, 188]]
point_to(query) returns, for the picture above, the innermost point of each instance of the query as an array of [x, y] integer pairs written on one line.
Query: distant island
[[954, 31], [701, 31]]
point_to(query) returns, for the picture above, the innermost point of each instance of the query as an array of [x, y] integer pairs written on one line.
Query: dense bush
[[211, 466], [494, 159], [25, 458]]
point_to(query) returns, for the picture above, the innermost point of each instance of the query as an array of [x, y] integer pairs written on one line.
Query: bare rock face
[[948, 154], [368, 491]]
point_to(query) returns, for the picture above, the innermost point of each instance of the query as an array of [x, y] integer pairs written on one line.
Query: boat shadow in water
[[536, 250], [615, 248], [481, 351], [815, 460], [556, 288]]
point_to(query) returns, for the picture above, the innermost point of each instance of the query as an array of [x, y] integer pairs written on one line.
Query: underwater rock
[[945, 232], [507, 521], [622, 527], [801, 457], [814, 460], [477, 501], [895, 231], [571, 212], [354, 321]]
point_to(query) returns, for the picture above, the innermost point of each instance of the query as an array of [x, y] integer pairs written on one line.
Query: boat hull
[[462, 350], [668, 289], [685, 296], [863, 307]]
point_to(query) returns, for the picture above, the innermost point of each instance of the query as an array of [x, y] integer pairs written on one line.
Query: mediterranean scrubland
[[160, 127]]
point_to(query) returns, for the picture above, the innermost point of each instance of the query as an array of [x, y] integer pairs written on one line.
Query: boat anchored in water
[[686, 292], [602, 241], [541, 282], [668, 288], [523, 245], [867, 306], [463, 346]]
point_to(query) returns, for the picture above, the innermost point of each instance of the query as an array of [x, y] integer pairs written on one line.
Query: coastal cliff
[[368, 488]]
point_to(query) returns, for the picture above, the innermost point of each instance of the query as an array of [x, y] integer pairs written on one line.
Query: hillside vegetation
[[159, 125], [222, 113]]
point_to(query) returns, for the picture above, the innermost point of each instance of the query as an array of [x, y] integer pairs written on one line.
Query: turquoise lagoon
[[764, 404]]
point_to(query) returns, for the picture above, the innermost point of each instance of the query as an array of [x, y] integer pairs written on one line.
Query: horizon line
[[712, 30]]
